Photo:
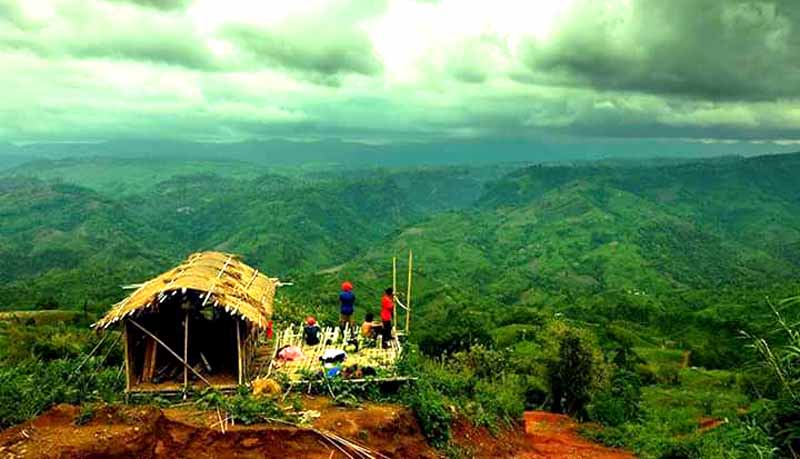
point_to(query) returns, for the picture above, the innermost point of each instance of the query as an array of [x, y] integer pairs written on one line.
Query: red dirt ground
[[706, 423], [150, 433], [554, 436]]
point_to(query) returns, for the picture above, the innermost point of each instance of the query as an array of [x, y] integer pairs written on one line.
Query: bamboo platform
[[383, 360]]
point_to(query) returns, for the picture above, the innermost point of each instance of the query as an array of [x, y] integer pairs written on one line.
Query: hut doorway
[[208, 343]]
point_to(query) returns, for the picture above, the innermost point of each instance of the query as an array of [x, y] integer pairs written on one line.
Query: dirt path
[[554, 436]]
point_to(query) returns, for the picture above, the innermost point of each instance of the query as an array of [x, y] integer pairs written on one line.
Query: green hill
[[58, 237], [667, 247], [63, 245]]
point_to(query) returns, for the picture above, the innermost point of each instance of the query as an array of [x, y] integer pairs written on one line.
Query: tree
[[571, 375]]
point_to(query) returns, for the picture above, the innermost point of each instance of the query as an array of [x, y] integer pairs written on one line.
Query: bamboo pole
[[127, 358], [239, 350], [276, 344], [408, 291], [394, 286], [174, 354], [88, 356], [186, 353]]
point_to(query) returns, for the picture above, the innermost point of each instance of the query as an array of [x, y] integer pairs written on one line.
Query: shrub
[[501, 399], [668, 376], [85, 415], [453, 330], [29, 388], [482, 361], [619, 402], [611, 410], [647, 374], [680, 451], [431, 411], [717, 355], [535, 391], [243, 407]]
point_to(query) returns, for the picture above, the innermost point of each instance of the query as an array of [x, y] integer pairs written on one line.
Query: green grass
[[701, 393], [43, 317]]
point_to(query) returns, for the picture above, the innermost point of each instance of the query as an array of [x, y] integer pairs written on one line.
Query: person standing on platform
[[348, 300], [387, 311]]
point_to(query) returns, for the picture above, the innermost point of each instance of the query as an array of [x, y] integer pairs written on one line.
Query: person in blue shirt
[[348, 300], [311, 332]]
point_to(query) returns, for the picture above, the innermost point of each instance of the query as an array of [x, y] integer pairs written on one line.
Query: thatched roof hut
[[199, 320], [226, 281]]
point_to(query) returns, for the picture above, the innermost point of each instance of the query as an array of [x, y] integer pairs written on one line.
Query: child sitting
[[311, 332], [370, 329]]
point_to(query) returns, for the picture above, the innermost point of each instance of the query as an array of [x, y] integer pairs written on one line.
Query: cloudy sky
[[401, 70]]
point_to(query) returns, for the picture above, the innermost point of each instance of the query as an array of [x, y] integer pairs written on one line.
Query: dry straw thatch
[[223, 280]]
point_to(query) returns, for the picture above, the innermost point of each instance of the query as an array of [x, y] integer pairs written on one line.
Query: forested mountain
[[115, 228], [59, 239], [625, 240], [686, 249], [594, 229]]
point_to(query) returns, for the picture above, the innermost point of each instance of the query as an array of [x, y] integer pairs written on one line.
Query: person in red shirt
[[387, 311]]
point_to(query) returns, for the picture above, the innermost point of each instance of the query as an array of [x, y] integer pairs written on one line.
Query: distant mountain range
[[279, 152]]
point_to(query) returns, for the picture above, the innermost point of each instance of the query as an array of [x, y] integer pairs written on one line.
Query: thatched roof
[[221, 278]]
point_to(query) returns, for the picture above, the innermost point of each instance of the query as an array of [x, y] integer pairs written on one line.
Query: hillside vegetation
[[625, 293]]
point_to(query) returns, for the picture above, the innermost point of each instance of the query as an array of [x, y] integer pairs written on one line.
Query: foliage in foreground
[[757, 411], [41, 366], [243, 407], [781, 357], [491, 387]]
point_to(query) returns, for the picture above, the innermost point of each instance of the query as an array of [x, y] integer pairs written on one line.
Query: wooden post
[[186, 353], [238, 351], [150, 354], [408, 291], [245, 352], [127, 357], [173, 353], [394, 286]]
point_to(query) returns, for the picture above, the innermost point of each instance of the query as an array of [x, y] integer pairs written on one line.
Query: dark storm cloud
[[320, 46], [143, 36], [163, 46], [308, 49], [712, 49]]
